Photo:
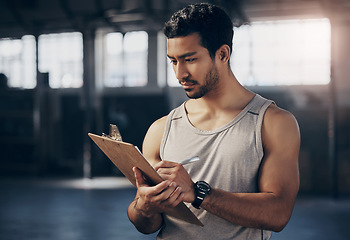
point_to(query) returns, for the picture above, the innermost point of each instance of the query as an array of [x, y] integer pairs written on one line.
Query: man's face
[[193, 66]]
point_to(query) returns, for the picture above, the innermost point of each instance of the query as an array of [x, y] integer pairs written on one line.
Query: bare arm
[[145, 212], [271, 208]]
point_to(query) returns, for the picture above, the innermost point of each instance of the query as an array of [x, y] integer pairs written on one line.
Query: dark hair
[[3, 81], [211, 22]]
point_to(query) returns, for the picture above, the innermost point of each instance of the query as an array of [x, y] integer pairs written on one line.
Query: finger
[[167, 175], [140, 181], [164, 172], [175, 198], [165, 164], [162, 190], [138, 177], [167, 192], [178, 200], [176, 192]]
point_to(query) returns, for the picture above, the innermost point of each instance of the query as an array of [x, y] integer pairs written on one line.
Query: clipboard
[[125, 156]]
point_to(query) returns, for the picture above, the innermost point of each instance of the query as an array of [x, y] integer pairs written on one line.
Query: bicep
[[152, 141], [281, 140]]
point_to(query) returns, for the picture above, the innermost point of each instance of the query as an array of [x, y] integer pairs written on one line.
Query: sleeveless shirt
[[230, 158]]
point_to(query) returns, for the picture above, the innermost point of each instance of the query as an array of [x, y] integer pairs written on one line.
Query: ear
[[223, 53]]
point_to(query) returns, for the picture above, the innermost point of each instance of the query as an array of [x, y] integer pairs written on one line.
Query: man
[[247, 179]]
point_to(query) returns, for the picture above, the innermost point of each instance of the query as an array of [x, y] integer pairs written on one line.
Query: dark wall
[[17, 135], [133, 115], [51, 142]]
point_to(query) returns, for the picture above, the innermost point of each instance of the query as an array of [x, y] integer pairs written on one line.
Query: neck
[[228, 95]]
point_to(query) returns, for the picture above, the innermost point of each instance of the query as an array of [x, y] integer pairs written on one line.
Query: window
[[294, 52], [61, 55], [113, 67], [288, 52], [125, 59], [18, 61]]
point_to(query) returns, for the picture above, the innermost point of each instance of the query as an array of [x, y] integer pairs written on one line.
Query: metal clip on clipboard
[[113, 133]]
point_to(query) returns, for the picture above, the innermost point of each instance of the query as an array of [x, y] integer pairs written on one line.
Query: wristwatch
[[201, 190]]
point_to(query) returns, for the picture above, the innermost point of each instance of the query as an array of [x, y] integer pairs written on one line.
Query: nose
[[181, 71]]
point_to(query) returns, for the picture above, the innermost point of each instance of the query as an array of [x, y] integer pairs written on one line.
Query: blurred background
[[70, 67]]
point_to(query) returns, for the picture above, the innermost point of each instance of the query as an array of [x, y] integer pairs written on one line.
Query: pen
[[190, 160]]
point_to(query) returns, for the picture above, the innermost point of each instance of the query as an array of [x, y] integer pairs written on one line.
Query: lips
[[187, 84]]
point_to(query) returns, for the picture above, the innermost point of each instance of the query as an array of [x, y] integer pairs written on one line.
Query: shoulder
[[277, 117], [157, 127], [156, 130], [279, 125], [152, 141]]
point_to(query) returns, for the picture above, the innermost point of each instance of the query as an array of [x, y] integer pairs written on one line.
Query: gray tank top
[[230, 157]]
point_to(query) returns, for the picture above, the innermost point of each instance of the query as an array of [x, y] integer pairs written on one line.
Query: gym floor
[[95, 209]]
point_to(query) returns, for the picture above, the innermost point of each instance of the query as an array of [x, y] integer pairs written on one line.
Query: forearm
[[146, 225], [255, 210]]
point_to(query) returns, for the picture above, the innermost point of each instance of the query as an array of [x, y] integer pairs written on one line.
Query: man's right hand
[[156, 199]]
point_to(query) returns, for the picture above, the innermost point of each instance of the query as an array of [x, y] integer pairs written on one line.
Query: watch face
[[202, 189], [203, 186]]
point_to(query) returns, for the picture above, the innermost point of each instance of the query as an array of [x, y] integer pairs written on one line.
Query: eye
[[189, 60], [173, 61]]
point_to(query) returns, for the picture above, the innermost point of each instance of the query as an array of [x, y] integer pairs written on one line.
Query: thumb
[[138, 177]]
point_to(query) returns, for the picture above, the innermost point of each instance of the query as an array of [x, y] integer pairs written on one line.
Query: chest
[[210, 122], [228, 158]]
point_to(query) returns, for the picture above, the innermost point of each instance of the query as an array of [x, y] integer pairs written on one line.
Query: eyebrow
[[184, 55]]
